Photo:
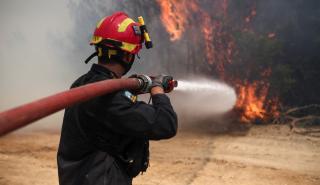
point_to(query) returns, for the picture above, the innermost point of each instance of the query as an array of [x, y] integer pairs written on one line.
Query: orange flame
[[252, 102], [249, 102], [174, 16], [252, 99], [207, 30]]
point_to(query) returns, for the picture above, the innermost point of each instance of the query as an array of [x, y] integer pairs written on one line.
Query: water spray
[[203, 97], [202, 85]]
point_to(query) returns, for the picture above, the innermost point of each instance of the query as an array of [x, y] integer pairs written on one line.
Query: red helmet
[[118, 30]]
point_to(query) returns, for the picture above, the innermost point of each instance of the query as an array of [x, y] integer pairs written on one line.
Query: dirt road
[[262, 155]]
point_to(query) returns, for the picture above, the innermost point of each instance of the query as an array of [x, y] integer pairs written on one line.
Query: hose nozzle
[[172, 84]]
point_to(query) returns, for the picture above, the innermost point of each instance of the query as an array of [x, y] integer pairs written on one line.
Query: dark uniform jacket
[[101, 137]]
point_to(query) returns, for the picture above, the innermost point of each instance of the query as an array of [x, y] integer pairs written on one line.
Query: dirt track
[[262, 155]]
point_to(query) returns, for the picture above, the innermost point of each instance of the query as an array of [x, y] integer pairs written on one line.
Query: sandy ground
[[262, 155]]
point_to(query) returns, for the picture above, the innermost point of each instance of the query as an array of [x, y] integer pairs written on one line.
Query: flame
[[251, 100], [174, 16], [219, 44], [207, 30]]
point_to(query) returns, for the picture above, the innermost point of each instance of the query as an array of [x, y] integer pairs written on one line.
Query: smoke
[[32, 65]]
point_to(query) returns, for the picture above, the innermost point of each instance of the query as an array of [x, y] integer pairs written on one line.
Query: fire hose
[[23, 115]]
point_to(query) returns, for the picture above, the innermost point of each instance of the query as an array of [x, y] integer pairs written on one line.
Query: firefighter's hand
[[160, 81], [156, 90], [158, 84]]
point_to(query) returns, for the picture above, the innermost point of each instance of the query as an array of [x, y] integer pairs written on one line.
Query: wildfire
[[249, 102], [252, 101], [207, 30], [177, 17], [174, 16]]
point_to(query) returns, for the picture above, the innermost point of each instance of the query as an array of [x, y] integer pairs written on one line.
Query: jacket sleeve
[[138, 119]]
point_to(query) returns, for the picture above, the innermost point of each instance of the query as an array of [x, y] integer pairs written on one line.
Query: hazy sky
[[30, 66], [31, 63]]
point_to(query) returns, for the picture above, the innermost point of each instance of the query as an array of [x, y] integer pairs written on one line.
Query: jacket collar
[[102, 70]]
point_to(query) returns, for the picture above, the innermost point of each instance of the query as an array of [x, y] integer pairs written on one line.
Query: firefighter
[[105, 141]]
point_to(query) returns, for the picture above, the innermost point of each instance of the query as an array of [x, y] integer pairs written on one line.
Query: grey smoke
[[31, 62]]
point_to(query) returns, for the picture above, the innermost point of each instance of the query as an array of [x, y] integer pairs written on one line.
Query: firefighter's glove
[[161, 81]]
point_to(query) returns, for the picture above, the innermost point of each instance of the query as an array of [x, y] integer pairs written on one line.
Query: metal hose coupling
[[145, 83]]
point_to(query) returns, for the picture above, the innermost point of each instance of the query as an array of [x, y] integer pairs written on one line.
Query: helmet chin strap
[[90, 57]]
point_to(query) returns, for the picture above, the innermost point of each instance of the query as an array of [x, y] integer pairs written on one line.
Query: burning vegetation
[[221, 48]]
